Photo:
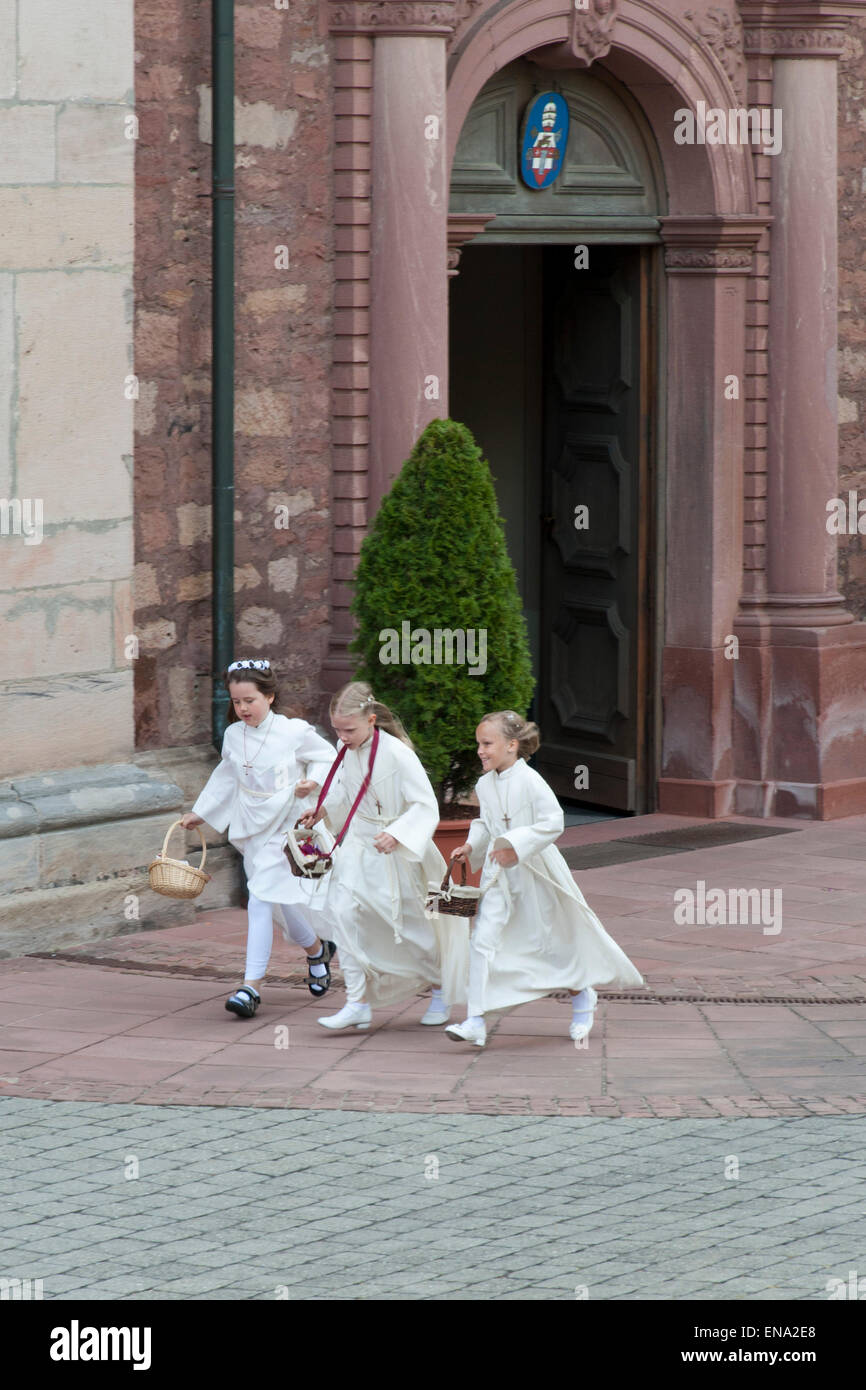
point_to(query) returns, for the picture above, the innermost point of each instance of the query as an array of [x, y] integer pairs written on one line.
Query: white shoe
[[467, 1032], [578, 1031], [437, 1013], [350, 1016]]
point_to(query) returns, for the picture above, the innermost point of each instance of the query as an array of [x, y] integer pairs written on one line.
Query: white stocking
[[260, 937]]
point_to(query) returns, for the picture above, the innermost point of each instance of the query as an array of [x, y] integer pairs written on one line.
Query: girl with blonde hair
[[378, 886], [534, 931]]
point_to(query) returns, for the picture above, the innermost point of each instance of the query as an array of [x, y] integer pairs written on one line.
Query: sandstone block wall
[[284, 132], [66, 253]]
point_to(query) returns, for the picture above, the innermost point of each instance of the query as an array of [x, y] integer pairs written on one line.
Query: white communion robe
[[534, 931], [257, 805], [388, 947]]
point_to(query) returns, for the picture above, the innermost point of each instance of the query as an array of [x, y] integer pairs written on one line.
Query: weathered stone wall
[[66, 251], [852, 305], [284, 131]]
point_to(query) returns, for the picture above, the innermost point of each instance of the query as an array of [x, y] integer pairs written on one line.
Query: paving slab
[[534, 1207], [732, 1021]]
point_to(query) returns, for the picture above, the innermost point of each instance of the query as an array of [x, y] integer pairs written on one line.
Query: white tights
[[260, 933]]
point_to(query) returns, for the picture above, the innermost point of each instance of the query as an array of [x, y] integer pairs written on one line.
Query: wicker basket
[[452, 900], [304, 862], [173, 878]]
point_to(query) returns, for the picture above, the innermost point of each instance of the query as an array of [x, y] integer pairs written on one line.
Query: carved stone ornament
[[724, 245], [822, 41], [591, 29], [694, 258], [463, 10], [392, 16], [722, 33], [463, 227]]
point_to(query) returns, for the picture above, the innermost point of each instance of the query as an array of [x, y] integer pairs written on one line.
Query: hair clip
[[246, 665]]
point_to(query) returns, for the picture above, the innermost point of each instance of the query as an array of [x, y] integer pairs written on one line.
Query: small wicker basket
[[307, 852], [452, 900], [173, 878]]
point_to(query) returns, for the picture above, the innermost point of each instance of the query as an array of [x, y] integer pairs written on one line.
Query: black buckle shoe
[[320, 984], [244, 1002]]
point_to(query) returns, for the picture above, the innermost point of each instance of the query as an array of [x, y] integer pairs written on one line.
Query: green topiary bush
[[435, 560]]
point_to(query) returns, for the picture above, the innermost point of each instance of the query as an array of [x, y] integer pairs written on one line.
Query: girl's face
[[495, 750], [353, 729], [250, 705]]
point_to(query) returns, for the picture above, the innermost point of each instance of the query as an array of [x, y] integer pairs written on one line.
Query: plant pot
[[449, 834]]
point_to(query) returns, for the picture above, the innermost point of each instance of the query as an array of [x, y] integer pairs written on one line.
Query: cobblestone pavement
[[105, 1201]]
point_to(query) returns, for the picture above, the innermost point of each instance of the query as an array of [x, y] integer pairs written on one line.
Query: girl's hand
[[507, 858], [385, 843], [190, 820], [306, 788], [462, 853], [309, 818]]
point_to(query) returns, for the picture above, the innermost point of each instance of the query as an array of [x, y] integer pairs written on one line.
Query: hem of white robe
[[514, 999]]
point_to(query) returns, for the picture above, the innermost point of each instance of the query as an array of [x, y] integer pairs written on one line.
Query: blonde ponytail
[[357, 698]]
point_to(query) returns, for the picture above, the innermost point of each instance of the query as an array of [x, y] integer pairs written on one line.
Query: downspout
[[222, 361]]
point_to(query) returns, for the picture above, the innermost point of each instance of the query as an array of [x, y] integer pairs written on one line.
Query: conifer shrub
[[435, 561]]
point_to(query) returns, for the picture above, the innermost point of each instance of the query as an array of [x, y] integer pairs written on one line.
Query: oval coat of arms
[[545, 135]]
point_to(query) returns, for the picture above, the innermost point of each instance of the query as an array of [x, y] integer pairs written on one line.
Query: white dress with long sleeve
[[534, 931], [388, 948], [251, 794]]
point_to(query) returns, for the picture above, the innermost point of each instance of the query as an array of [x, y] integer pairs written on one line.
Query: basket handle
[[168, 835], [448, 875]]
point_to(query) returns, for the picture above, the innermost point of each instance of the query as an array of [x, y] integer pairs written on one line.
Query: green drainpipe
[[222, 369]]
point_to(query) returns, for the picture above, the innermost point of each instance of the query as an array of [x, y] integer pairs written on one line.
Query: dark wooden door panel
[[589, 705]]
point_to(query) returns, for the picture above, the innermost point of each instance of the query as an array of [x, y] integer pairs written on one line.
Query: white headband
[[245, 665]]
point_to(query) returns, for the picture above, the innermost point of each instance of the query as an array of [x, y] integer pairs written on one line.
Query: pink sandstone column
[[708, 260], [390, 209], [800, 715], [803, 438], [409, 301]]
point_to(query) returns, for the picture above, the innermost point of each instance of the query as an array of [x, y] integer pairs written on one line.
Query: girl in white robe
[[377, 888], [270, 767], [534, 931]]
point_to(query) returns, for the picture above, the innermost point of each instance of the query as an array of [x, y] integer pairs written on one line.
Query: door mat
[[660, 842]]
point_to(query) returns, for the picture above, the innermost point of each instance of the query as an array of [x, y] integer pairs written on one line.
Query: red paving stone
[[162, 1034]]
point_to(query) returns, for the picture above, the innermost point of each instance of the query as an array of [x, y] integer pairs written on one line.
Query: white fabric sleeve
[[316, 754], [217, 797], [479, 839], [416, 825], [548, 823]]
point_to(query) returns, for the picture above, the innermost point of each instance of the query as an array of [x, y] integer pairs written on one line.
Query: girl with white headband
[[378, 886], [271, 766]]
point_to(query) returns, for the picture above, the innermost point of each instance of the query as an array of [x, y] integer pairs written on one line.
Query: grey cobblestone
[[524, 1208]]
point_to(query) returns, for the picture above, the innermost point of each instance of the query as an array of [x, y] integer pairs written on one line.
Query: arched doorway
[[554, 365]]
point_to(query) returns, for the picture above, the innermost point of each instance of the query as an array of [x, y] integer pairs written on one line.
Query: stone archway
[[783, 729], [710, 234]]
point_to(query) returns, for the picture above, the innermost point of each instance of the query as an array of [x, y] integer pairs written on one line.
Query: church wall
[[66, 253], [284, 134]]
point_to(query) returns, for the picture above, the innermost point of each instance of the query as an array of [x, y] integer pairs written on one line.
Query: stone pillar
[[390, 375], [803, 434], [801, 730], [409, 301], [708, 260]]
